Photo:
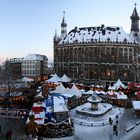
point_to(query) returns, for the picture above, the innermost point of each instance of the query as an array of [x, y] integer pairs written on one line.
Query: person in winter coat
[[31, 127]]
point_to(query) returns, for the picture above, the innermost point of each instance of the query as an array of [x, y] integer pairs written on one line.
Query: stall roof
[[136, 105], [54, 79], [59, 104], [65, 78]]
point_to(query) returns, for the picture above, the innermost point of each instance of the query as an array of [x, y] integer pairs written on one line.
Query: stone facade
[[35, 66], [106, 53]]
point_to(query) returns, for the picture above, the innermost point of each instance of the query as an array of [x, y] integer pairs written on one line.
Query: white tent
[[111, 87], [26, 79], [54, 79], [74, 90], [89, 92], [119, 84], [60, 89], [65, 78], [121, 95]]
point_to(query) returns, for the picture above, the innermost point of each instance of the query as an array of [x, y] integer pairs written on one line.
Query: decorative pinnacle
[[64, 13]]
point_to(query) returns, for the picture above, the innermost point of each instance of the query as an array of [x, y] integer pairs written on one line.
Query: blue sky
[[28, 26]]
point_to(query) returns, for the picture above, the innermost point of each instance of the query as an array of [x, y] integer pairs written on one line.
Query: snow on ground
[[106, 132], [95, 121]]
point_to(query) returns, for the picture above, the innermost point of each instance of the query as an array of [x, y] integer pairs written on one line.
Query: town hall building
[[100, 52]]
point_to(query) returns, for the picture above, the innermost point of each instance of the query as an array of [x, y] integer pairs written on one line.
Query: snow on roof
[[74, 90], [54, 79], [66, 91], [100, 92], [111, 87], [59, 104], [119, 84], [120, 95], [95, 34], [60, 89], [34, 57], [68, 95], [65, 78], [110, 92], [99, 86], [88, 92], [26, 79], [136, 105]]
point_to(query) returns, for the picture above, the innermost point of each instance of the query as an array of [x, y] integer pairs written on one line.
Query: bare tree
[[8, 80]]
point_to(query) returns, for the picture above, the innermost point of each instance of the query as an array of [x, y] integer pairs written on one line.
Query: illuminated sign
[[13, 113]]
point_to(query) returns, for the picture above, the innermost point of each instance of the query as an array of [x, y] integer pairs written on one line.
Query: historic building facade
[[13, 68], [106, 53], [35, 66]]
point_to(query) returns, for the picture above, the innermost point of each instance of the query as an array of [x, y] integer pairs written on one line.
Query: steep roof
[[95, 34], [135, 14], [63, 24]]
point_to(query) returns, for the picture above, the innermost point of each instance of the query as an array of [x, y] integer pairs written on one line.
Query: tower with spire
[[135, 22], [56, 39], [63, 27]]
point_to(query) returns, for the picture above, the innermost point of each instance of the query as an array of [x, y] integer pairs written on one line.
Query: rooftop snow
[[136, 105], [95, 34], [34, 57], [59, 104]]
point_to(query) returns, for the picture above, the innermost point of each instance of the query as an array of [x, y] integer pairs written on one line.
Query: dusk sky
[[28, 26]]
